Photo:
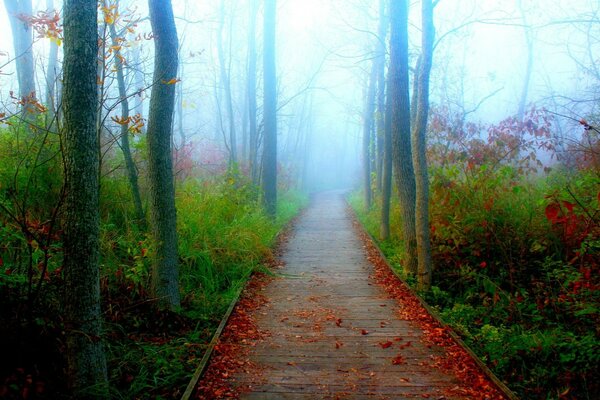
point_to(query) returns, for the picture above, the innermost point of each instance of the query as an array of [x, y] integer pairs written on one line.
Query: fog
[[324, 53]]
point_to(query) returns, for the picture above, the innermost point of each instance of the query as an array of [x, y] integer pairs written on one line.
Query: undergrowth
[[516, 265], [223, 235]]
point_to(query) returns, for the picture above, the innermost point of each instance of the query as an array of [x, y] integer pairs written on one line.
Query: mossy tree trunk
[[85, 353], [163, 215], [419, 147], [399, 102]]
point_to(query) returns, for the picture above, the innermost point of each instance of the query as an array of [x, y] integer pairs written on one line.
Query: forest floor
[[336, 323]]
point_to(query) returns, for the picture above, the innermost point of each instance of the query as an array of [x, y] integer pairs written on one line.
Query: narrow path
[[333, 332]]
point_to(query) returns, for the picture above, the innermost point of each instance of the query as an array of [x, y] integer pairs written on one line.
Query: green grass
[[224, 235]]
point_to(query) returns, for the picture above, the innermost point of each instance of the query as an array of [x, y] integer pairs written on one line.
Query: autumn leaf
[[338, 344], [172, 81], [385, 345], [398, 360], [364, 332], [338, 322]]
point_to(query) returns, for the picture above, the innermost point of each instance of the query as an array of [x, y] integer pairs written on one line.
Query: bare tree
[[368, 133], [269, 169], [132, 174], [18, 12], [251, 91], [225, 77]]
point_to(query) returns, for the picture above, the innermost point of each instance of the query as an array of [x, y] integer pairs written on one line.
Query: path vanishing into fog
[[333, 331]]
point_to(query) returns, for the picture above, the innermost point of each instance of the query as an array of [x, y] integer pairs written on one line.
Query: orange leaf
[[172, 81]]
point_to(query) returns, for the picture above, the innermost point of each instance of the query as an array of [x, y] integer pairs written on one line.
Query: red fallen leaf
[[338, 322], [364, 332], [338, 344], [385, 345], [405, 345], [398, 360], [483, 264]]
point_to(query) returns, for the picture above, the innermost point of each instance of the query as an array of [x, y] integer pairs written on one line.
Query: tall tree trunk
[[138, 77], [386, 184], [381, 54], [251, 90], [165, 275], [269, 170], [398, 93], [23, 45], [182, 136], [529, 67], [419, 147], [132, 174], [85, 353], [51, 72], [226, 82], [367, 134]]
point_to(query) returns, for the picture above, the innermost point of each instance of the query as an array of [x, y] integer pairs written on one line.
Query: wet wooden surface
[[333, 332]]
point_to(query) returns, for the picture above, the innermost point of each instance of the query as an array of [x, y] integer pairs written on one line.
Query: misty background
[[324, 53]]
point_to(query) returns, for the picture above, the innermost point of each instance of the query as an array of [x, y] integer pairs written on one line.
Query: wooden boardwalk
[[332, 331]]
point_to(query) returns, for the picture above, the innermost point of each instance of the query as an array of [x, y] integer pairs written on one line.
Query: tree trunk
[[381, 54], [269, 170], [226, 82], [386, 184], [132, 174], [85, 353], [419, 147], [367, 134], [529, 67], [51, 72], [23, 45], [182, 136], [165, 279], [398, 98], [251, 90]]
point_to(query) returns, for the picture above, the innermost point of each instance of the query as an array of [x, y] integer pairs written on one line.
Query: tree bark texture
[[85, 353], [163, 221], [398, 93], [380, 57], [132, 174], [269, 168], [419, 147]]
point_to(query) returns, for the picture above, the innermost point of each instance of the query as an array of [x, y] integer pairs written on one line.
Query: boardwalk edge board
[[488, 372], [189, 390]]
